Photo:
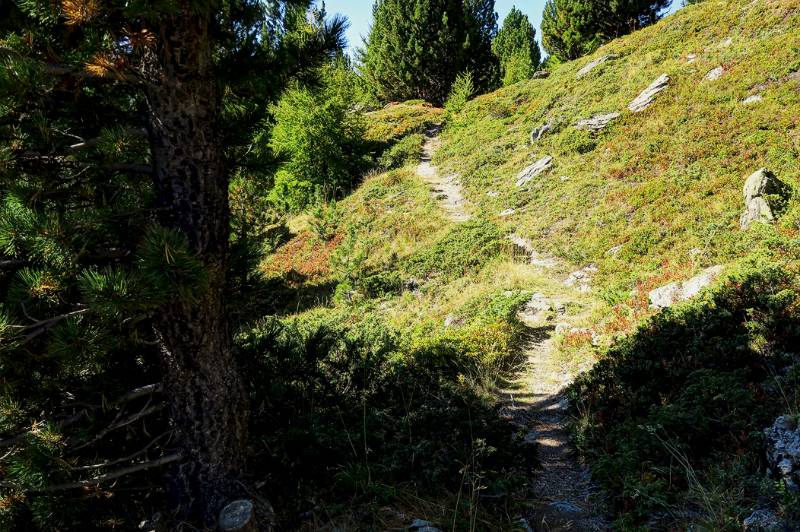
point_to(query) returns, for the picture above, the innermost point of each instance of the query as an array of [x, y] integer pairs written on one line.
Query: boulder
[[540, 74], [668, 295], [594, 64], [534, 170], [647, 96], [539, 132], [714, 74], [597, 122], [783, 450], [757, 191]]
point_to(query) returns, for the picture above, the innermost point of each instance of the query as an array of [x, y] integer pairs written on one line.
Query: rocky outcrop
[[534, 170], [594, 64], [540, 132], [597, 122], [647, 97], [668, 295], [783, 450], [761, 188]]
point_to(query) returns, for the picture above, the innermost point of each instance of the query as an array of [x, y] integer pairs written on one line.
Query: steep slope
[[657, 193]]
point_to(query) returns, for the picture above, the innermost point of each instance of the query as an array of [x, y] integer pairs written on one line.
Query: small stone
[[562, 327], [714, 74], [534, 170], [421, 525], [594, 64], [566, 507], [614, 251], [726, 43], [539, 132], [762, 521], [647, 96], [452, 321], [581, 279], [691, 58], [493, 194], [540, 74], [597, 122], [755, 98], [507, 212]]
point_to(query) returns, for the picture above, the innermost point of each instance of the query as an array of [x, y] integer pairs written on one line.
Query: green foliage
[[695, 385], [415, 49], [466, 247], [405, 151], [320, 139], [463, 89], [354, 407], [573, 28], [516, 48]]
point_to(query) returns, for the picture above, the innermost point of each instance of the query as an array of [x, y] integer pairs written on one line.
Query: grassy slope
[[660, 183]]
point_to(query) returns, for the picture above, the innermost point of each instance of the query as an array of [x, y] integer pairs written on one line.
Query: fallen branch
[[84, 144]]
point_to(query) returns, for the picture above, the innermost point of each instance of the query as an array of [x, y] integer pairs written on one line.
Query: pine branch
[[126, 458], [137, 393], [144, 412], [111, 475], [84, 144]]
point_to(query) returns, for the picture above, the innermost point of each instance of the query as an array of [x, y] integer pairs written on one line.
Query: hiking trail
[[447, 189]]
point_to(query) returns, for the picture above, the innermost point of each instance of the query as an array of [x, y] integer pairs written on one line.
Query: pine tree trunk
[[208, 403]]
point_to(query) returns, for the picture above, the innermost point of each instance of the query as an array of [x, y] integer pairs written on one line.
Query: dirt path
[[563, 490], [447, 189]]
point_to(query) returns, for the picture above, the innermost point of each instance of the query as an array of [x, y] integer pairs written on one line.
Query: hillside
[[510, 284]]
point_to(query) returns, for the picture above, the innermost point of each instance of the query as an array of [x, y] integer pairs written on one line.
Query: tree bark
[[207, 399]]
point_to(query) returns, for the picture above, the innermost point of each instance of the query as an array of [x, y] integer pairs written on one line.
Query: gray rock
[[581, 279], [668, 295], [691, 58], [597, 122], [540, 74], [783, 450], [755, 98], [594, 64], [726, 43], [493, 194], [540, 132], [452, 321], [537, 310], [421, 525], [647, 97], [534, 170], [762, 521], [758, 186], [714, 74], [566, 507], [507, 212]]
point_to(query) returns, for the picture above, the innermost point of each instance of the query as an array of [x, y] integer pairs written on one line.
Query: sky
[[359, 13]]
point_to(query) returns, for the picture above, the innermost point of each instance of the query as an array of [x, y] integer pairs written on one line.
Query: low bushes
[[682, 402]]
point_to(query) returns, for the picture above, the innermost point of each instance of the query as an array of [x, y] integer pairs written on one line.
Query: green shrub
[[695, 385], [405, 151], [320, 140], [462, 91], [467, 247], [346, 407]]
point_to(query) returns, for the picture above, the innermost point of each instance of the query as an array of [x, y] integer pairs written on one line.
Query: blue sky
[[359, 12]]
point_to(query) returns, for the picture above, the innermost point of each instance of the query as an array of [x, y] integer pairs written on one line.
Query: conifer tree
[[121, 125], [516, 48], [572, 28], [416, 48]]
